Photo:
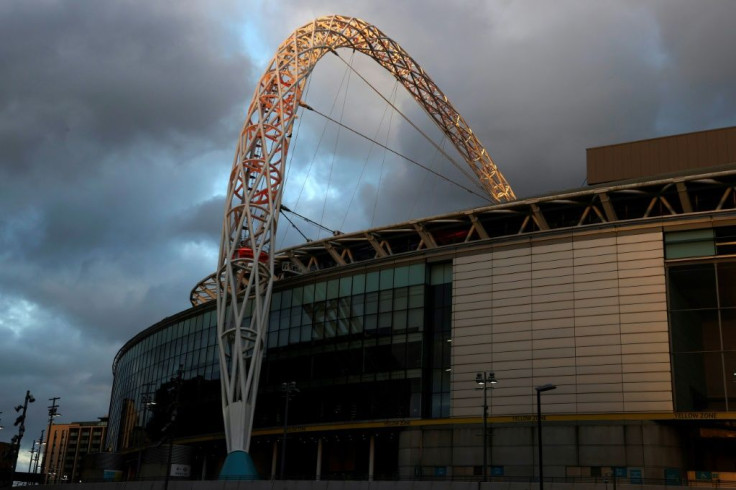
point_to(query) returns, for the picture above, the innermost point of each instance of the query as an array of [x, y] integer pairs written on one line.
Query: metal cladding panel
[[659, 156]]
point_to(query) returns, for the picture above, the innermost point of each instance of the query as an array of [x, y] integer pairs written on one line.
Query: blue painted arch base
[[239, 466]]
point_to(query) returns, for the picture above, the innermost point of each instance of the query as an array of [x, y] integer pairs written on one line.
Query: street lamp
[[484, 379], [287, 389], [540, 389], [20, 422]]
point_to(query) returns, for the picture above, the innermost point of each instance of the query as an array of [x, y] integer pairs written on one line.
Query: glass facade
[[701, 291], [370, 345]]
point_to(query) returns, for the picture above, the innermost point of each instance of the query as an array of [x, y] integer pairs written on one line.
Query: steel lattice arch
[[245, 270]]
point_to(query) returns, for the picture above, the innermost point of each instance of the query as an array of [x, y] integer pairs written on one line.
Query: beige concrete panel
[[647, 396], [512, 346], [643, 358], [648, 406], [549, 255], [591, 340], [648, 386], [587, 379], [465, 325], [642, 307], [635, 238], [510, 253], [511, 355], [518, 367], [513, 294], [559, 371], [469, 314], [552, 288], [645, 348], [460, 343], [519, 378], [519, 280], [602, 407], [547, 248], [560, 271], [557, 343], [645, 337], [508, 323], [600, 369], [470, 331], [482, 282], [583, 318], [510, 394], [582, 242], [633, 368], [630, 298], [478, 296], [596, 280], [504, 269], [600, 388], [598, 360], [543, 330], [594, 258], [641, 270], [551, 362], [658, 288], [644, 317], [610, 291], [553, 281], [541, 269], [471, 259], [583, 329], [594, 268], [626, 283], [566, 311], [657, 376], [599, 350], [478, 348], [609, 397], [468, 362], [649, 255], [581, 313], [564, 296], [596, 302], [500, 338], [469, 272], [501, 309]]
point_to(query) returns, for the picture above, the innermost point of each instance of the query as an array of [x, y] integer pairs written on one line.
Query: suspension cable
[[372, 140], [461, 168], [286, 209]]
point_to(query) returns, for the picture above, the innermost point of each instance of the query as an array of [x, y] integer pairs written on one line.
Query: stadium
[[599, 318]]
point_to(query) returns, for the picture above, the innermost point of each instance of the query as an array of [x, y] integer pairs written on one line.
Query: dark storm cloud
[[118, 122]]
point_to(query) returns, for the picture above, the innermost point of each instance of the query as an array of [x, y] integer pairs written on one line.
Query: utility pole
[[52, 414]]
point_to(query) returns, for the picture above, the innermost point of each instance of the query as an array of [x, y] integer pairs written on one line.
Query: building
[[620, 294], [68, 446]]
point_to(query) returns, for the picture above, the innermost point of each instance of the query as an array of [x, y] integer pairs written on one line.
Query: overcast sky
[[118, 123]]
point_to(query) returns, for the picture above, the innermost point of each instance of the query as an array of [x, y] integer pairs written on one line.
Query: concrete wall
[[586, 312], [339, 485]]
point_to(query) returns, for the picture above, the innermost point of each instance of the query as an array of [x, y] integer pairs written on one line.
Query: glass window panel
[[371, 303], [286, 298], [690, 243], [297, 296], [371, 281], [358, 283], [283, 338], [371, 323], [727, 284], [385, 301], [346, 284], [384, 324], [318, 332], [692, 286], [416, 274], [306, 333], [416, 296], [387, 279], [728, 333], [356, 325], [357, 308], [401, 277], [415, 320], [294, 335], [401, 298], [695, 330], [333, 288], [399, 321], [699, 381], [276, 300], [296, 316], [320, 291], [308, 294]]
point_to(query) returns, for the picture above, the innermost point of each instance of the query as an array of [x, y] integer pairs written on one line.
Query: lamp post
[[287, 389], [20, 422], [484, 379], [540, 389]]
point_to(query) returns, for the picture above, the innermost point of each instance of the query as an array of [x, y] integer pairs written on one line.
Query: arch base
[[239, 466]]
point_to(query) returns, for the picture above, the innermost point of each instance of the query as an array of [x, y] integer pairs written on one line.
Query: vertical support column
[[318, 471], [371, 457], [274, 458]]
